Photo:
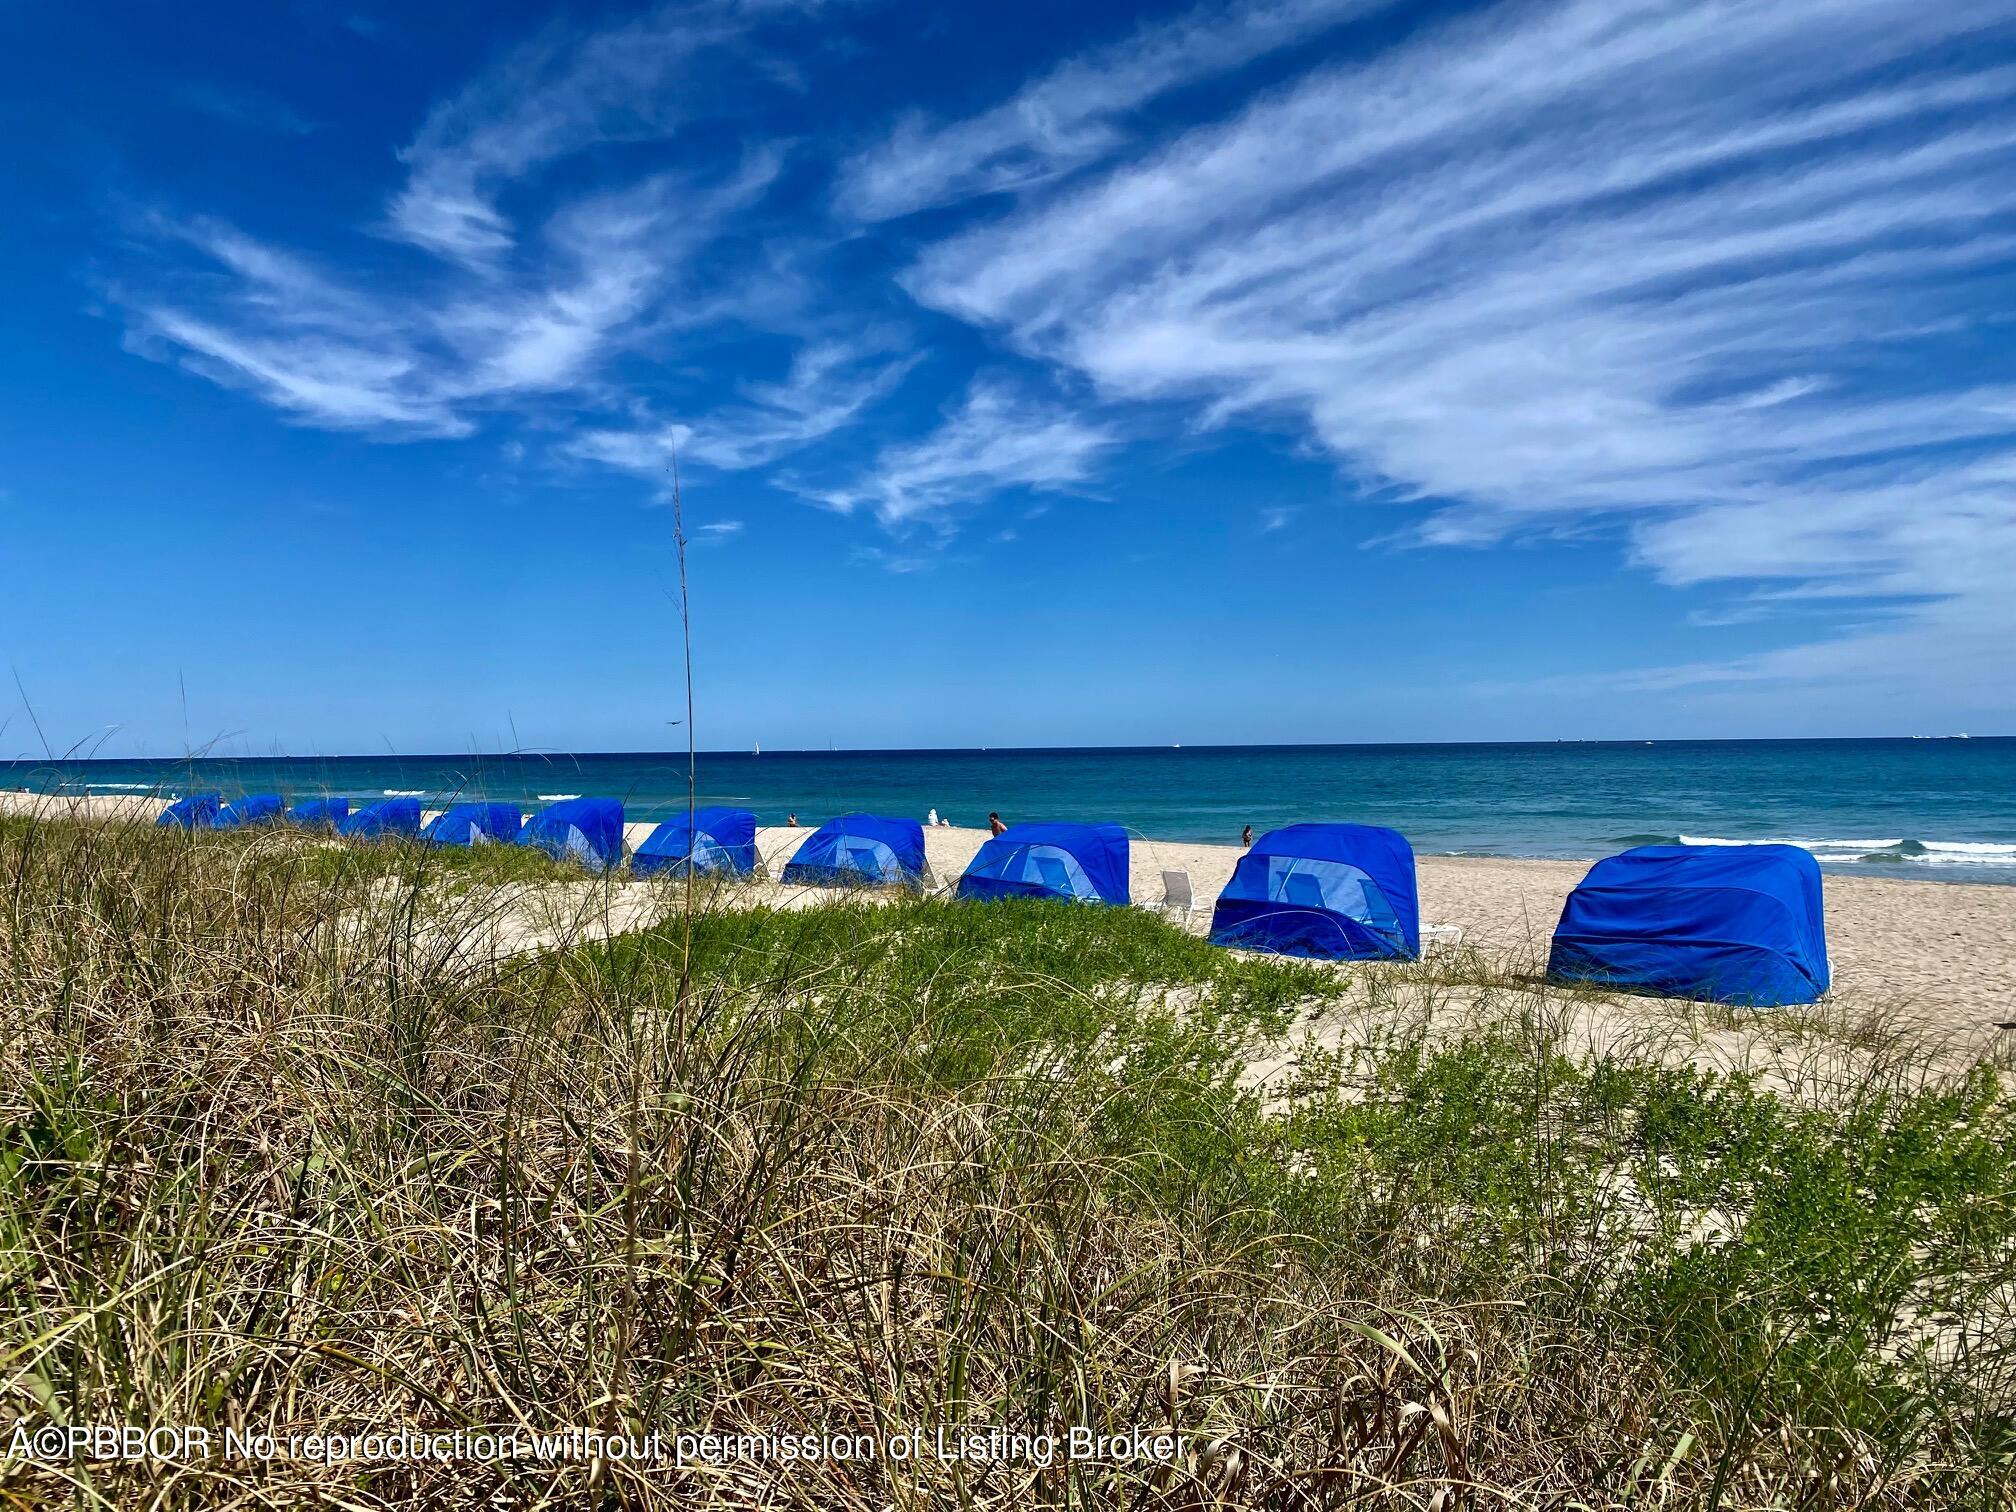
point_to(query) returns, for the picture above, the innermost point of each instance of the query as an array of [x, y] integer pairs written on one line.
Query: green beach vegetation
[[891, 1166]]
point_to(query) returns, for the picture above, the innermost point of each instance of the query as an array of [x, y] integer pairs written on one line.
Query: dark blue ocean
[[1943, 808]]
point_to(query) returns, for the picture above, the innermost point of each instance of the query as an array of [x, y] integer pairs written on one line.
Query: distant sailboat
[[759, 749]]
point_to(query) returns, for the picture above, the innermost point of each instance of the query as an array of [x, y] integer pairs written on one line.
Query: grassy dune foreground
[[277, 1155]]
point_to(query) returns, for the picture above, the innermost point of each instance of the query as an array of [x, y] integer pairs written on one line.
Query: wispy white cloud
[[253, 109], [1656, 260], [1073, 114], [507, 314], [557, 95], [425, 360], [898, 562], [278, 327], [512, 310], [829, 385], [715, 533], [611, 260], [996, 439], [332, 382]]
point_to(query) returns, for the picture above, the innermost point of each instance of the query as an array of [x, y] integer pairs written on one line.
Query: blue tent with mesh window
[[257, 808], [475, 824], [318, 813], [586, 831], [719, 841], [197, 811], [387, 817], [1339, 892], [1737, 924], [1079, 863], [860, 849]]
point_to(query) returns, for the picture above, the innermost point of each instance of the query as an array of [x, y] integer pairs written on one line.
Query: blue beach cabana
[[1078, 863], [475, 824], [859, 850], [197, 811], [587, 831], [387, 817], [318, 813], [1735, 924], [1339, 892], [257, 808], [719, 841]]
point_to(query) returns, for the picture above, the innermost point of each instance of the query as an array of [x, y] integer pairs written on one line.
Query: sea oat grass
[[911, 1166]]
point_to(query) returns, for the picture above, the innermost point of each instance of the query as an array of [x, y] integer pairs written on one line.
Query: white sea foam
[[1854, 845], [121, 787], [1900, 850], [1975, 854], [555, 797], [405, 792]]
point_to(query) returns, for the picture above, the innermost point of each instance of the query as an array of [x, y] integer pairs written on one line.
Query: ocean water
[[1935, 808]]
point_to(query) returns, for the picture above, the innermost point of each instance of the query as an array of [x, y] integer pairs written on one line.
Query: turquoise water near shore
[[1933, 808]]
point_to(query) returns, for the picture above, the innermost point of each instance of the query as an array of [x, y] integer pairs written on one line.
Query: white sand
[[136, 808]]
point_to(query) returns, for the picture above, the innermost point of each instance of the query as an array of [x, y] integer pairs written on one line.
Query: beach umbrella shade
[[197, 811], [318, 813], [859, 850], [1337, 892], [714, 841], [475, 824], [586, 831], [1077, 863], [388, 818], [258, 808], [1737, 924]]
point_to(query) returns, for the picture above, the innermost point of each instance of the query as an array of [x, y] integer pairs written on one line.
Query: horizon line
[[557, 753]]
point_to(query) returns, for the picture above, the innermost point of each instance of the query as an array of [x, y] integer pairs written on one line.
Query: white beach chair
[[1440, 937], [1178, 897]]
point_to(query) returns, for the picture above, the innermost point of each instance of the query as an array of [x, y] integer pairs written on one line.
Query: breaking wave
[[1900, 849]]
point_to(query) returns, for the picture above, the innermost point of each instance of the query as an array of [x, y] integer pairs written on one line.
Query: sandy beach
[[1942, 953]]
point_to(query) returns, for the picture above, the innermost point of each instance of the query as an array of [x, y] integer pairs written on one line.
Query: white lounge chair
[[1441, 936], [1178, 896]]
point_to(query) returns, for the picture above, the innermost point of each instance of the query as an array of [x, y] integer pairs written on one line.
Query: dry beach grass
[[901, 1166]]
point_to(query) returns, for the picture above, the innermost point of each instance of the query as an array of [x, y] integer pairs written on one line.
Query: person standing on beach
[[994, 824], [791, 822], [1246, 838]]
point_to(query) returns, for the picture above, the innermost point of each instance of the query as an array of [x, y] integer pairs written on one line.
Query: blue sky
[[1259, 370]]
